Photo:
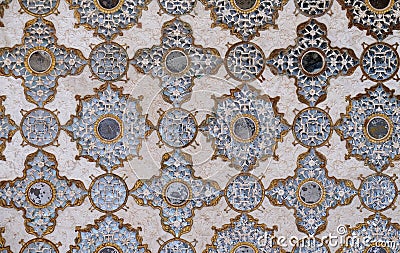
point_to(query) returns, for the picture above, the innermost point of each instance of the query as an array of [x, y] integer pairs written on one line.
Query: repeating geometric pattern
[[40, 193], [108, 234], [177, 61], [108, 127], [107, 18], [176, 192], [40, 61], [311, 192], [379, 18], [245, 127], [244, 19], [371, 127], [312, 62]]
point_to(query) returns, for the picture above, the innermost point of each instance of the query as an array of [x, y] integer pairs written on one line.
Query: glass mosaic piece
[[243, 235], [177, 61], [311, 192], [244, 18], [41, 193], [369, 127], [107, 17], [312, 62], [176, 192], [108, 235], [245, 127], [40, 61], [108, 127]]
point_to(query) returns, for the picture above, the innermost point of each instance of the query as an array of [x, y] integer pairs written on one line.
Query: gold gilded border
[[39, 240], [51, 11], [28, 56], [349, 146], [240, 244], [388, 121], [323, 193], [53, 193]]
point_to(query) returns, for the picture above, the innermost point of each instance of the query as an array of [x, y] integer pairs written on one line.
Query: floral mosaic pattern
[[177, 8], [108, 127], [40, 61], [312, 62], [177, 61], [243, 233], [109, 234], [379, 20], [41, 192], [39, 41], [311, 192], [313, 8], [245, 127], [7, 128], [107, 18], [176, 192], [244, 19], [377, 228], [371, 126]]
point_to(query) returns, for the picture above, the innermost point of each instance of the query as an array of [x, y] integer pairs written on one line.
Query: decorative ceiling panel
[[214, 126]]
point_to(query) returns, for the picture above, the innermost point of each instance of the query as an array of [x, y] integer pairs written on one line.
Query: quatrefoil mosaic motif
[[177, 61], [244, 19], [371, 127], [245, 127], [311, 192], [108, 235], [41, 193], [108, 127], [312, 62], [107, 18], [40, 61], [176, 192]]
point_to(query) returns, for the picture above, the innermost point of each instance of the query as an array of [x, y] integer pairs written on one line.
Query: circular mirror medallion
[[245, 6], [40, 193], [310, 193], [109, 128], [379, 6], [108, 6], [244, 128], [108, 248], [244, 247], [177, 193], [313, 62], [176, 61], [40, 61], [378, 128]]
